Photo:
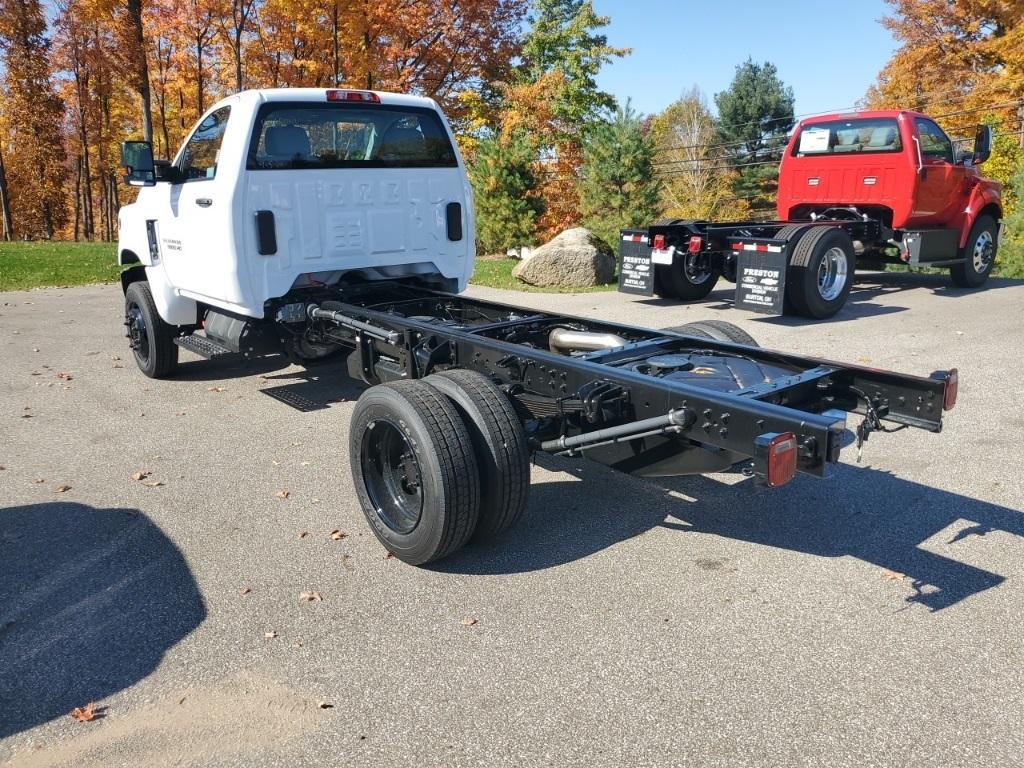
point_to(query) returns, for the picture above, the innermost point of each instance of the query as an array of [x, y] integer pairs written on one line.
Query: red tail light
[[950, 390], [659, 242], [777, 457], [366, 96], [695, 244]]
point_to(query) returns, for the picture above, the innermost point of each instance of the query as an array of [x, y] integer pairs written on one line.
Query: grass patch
[[45, 264], [496, 272]]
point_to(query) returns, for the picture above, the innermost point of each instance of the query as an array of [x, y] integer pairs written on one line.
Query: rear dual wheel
[[820, 271], [436, 461]]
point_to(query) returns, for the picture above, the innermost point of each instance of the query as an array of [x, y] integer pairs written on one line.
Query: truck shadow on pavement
[[90, 600], [867, 514]]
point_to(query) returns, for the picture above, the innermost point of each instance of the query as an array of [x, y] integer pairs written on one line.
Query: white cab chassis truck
[[309, 222]]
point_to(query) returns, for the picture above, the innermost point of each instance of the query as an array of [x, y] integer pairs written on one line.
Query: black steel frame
[[398, 331]]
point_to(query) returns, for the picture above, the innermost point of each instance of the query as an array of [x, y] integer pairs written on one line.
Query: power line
[[781, 149], [960, 96]]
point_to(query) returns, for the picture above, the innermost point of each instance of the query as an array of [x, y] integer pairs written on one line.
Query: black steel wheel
[[499, 444], [150, 338], [414, 470], [690, 277], [979, 254], [719, 330], [820, 272]]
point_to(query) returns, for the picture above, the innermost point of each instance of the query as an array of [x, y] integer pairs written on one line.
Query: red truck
[[855, 190]]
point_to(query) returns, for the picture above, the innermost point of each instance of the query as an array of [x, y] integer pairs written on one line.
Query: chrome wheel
[[984, 250], [392, 477], [832, 273]]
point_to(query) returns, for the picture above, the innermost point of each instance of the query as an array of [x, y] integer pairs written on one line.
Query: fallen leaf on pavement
[[64, 376], [303, 534], [244, 591], [388, 555], [215, 389], [153, 484], [26, 415], [39, 480], [310, 597], [893, 575], [282, 494], [84, 714], [325, 705], [337, 535], [469, 621], [62, 489], [270, 635], [142, 474]]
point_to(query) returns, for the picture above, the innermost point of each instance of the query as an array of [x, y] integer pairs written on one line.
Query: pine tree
[[619, 188], [504, 187], [754, 115]]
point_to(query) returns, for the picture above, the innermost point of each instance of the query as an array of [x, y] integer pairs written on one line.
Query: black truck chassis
[[646, 402]]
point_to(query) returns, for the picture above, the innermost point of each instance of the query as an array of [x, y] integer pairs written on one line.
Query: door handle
[[204, 202]]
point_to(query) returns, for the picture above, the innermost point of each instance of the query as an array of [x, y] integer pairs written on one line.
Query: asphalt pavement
[[156, 539]]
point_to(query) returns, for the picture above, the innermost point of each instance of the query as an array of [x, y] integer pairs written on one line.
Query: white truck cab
[[278, 189]]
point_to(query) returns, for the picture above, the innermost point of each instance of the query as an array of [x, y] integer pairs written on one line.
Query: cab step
[[204, 347]]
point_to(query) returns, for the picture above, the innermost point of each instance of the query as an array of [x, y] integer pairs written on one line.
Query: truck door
[[940, 182], [196, 226]]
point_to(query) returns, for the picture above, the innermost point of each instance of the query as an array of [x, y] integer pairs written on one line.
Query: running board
[[204, 347]]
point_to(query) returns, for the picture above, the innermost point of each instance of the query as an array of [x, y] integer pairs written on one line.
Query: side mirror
[[137, 161], [982, 144]]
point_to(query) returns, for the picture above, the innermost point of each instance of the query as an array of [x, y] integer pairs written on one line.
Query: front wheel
[[979, 255], [151, 339]]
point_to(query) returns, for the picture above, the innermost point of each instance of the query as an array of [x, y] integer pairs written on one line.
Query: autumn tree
[[696, 180], [555, 99], [619, 189], [955, 59], [32, 114]]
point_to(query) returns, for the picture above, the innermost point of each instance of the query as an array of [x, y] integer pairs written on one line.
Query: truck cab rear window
[[842, 136], [295, 136]]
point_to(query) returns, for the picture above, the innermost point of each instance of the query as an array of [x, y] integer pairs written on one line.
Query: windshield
[[293, 136], [838, 136]]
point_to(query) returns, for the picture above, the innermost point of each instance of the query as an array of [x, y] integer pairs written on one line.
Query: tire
[[150, 338], [414, 471], [717, 330], [500, 446], [820, 272], [979, 256], [687, 285]]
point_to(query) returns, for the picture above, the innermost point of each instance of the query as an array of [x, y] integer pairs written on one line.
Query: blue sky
[[828, 52]]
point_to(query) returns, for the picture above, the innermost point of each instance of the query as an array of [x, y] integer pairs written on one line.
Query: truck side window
[[935, 145], [200, 155]]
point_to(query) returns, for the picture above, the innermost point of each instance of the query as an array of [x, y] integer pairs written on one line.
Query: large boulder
[[573, 259]]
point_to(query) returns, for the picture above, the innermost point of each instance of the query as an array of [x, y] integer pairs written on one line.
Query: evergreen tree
[[618, 189], [754, 115], [504, 184]]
